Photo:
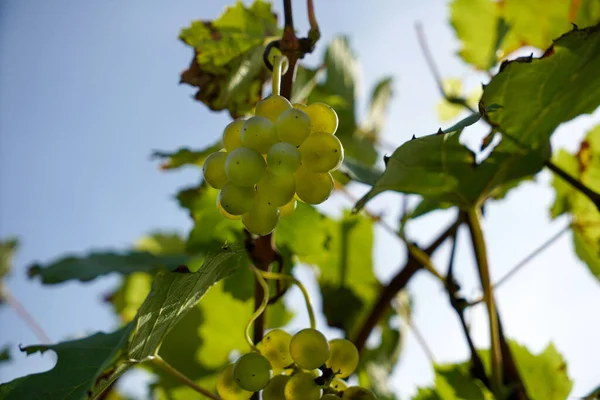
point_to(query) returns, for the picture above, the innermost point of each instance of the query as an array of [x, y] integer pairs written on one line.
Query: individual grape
[[214, 169], [245, 167], [225, 213], [309, 348], [236, 200], [275, 389], [302, 386], [330, 396], [283, 158], [312, 187], [272, 106], [258, 133], [232, 138], [261, 219], [299, 106], [276, 190], [338, 384], [276, 347], [293, 126], [323, 118], [228, 389], [252, 371], [322, 152], [288, 209], [357, 393], [344, 357]]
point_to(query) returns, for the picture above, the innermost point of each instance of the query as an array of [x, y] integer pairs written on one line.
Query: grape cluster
[[301, 367], [282, 153]]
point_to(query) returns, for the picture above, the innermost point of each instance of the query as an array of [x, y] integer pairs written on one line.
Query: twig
[[577, 184], [312, 19], [22, 312], [397, 283], [160, 362], [479, 248]]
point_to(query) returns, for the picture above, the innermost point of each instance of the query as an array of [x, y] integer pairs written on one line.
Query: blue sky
[[89, 89]]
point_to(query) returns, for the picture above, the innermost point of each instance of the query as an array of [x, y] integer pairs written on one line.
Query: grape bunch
[[301, 367], [282, 153]]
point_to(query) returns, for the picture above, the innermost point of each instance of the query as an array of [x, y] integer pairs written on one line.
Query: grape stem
[[309, 307], [280, 67], [161, 363], [263, 305]]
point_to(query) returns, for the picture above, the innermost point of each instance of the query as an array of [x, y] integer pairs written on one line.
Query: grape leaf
[[360, 172], [8, 247], [227, 67], [585, 166], [453, 381], [535, 95], [185, 156]]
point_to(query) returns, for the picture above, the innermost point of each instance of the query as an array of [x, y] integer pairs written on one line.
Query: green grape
[[252, 371], [228, 389], [214, 169], [330, 396], [338, 384], [309, 348], [357, 393], [276, 347], [343, 359], [232, 138], [276, 190], [322, 152], [262, 218], [236, 200], [302, 386], [283, 158], [323, 118], [288, 209], [272, 106], [245, 167], [299, 106], [293, 126], [312, 187], [258, 133], [275, 389], [225, 213]]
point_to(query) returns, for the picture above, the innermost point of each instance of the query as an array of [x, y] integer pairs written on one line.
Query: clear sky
[[89, 88]]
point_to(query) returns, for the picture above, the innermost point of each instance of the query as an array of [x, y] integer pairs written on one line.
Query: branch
[[512, 378], [397, 283], [577, 184], [22, 312], [161, 363]]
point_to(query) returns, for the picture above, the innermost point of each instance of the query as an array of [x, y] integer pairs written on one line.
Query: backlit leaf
[[185, 156]]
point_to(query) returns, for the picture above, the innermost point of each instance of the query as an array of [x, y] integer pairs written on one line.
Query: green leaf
[[584, 166], [5, 354], [453, 381], [426, 206], [185, 156], [361, 172], [535, 95], [227, 66], [438, 167], [8, 247]]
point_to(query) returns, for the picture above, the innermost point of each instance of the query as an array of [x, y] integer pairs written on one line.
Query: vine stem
[[309, 307], [22, 312], [261, 308], [161, 363], [479, 248]]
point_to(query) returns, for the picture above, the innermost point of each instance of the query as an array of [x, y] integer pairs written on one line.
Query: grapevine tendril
[[280, 67], [259, 310]]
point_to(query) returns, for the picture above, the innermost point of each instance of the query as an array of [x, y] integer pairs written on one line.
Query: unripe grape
[[309, 348], [357, 393], [261, 219], [312, 187], [338, 384], [276, 347], [344, 357], [259, 133], [228, 389], [322, 152], [272, 106], [283, 158], [288, 209], [330, 396], [214, 169], [323, 118], [275, 389], [252, 372], [302, 386], [236, 200], [276, 190], [225, 213], [245, 167], [232, 138], [293, 126]]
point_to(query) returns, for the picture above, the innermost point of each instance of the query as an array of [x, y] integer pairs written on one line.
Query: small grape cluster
[[301, 367], [282, 153]]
